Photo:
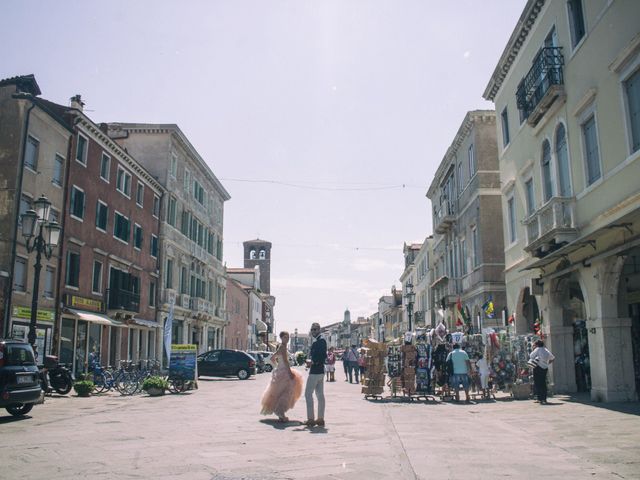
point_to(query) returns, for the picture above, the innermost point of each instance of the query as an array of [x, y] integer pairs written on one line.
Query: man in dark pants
[[542, 359], [315, 381]]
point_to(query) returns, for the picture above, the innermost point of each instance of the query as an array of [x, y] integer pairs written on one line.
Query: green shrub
[[83, 387], [155, 382]]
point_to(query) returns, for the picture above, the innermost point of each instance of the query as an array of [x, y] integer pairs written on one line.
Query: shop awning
[[93, 317], [261, 327], [146, 323]]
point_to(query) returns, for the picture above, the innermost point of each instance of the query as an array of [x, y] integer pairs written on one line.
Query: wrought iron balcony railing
[[120, 299], [444, 217], [542, 84]]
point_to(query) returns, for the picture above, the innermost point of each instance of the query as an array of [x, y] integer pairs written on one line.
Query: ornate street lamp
[[410, 297], [42, 236]]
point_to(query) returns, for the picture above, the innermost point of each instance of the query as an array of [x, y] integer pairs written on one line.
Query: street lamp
[[410, 297], [42, 236]]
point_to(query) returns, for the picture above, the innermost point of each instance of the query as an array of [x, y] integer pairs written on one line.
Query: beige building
[[567, 95], [423, 309], [191, 231], [468, 254]]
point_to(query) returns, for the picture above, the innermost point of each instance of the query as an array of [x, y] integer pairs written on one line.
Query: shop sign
[[46, 315], [83, 303], [183, 361]]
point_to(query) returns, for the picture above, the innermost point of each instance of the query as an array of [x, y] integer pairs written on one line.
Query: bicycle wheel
[[177, 384], [126, 384], [100, 382]]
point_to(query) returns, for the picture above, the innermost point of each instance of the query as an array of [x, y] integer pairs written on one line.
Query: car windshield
[[18, 354]]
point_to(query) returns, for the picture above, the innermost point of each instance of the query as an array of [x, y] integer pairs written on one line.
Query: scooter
[[56, 376]]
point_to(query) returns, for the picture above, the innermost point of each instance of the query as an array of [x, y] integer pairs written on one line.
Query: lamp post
[[295, 340], [42, 236], [410, 297]]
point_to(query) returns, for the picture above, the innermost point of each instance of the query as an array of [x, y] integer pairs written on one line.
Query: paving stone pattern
[[217, 433]]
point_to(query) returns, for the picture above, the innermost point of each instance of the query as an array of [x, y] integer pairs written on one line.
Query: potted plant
[[155, 385], [83, 387]]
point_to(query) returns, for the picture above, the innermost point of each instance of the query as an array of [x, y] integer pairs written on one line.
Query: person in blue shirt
[[461, 369]]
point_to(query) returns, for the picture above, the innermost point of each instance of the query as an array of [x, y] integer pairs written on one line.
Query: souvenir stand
[[423, 365], [521, 348], [374, 372], [394, 369], [500, 356], [441, 345], [475, 346]]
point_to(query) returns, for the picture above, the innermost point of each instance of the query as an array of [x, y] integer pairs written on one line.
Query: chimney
[[76, 102]]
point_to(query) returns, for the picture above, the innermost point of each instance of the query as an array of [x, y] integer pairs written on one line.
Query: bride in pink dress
[[286, 384]]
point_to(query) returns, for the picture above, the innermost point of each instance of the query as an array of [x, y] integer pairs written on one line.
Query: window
[[137, 236], [187, 181], [96, 284], [121, 227], [252, 254], [529, 196], [169, 274], [460, 180], [632, 93], [576, 21], [183, 280], [472, 162], [58, 167], [475, 246], [81, 150], [173, 167], [20, 275], [76, 207], [31, 153], [72, 278], [105, 167], [25, 206], [140, 194], [123, 182], [49, 281], [463, 255], [156, 206], [54, 215], [152, 293], [547, 181], [154, 246], [562, 156], [171, 212], [511, 218], [263, 254], [505, 127], [592, 155], [102, 215], [198, 192]]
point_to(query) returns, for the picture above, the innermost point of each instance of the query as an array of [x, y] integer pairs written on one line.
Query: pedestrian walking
[[330, 365], [461, 369], [315, 380], [541, 358], [361, 365], [351, 357], [286, 384]]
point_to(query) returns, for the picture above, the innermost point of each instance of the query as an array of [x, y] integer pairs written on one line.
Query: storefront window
[[67, 336], [177, 332], [81, 346], [113, 342], [152, 344], [95, 330]]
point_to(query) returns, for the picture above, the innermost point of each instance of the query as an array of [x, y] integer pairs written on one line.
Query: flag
[[168, 325], [488, 308], [461, 314]]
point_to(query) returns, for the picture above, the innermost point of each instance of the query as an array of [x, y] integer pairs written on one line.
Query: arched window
[[564, 179], [252, 254], [547, 181], [262, 255]]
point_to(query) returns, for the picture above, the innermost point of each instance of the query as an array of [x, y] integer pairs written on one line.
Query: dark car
[[19, 377], [226, 363]]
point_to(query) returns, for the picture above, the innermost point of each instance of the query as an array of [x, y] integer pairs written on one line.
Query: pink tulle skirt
[[282, 393]]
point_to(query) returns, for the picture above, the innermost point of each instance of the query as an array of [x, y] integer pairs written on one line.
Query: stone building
[[408, 281], [191, 231], [423, 309], [567, 93], [258, 253], [468, 252], [238, 329], [34, 148]]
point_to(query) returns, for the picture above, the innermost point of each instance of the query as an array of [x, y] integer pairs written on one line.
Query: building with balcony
[[191, 231], [424, 313], [390, 316], [408, 281], [467, 249], [34, 146], [257, 334], [567, 93]]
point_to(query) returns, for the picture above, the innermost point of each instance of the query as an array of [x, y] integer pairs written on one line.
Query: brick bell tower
[[258, 252]]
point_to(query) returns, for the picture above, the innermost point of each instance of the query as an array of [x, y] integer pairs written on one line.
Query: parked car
[[226, 363], [259, 360], [265, 358], [19, 377]]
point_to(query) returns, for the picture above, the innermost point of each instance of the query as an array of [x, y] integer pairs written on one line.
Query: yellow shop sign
[[84, 303], [45, 314]]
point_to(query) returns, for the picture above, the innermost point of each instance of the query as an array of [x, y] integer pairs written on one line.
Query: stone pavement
[[217, 433]]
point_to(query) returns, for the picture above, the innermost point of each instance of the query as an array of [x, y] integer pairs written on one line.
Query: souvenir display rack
[[374, 359]]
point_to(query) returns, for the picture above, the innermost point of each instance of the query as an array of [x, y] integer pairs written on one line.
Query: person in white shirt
[[542, 359]]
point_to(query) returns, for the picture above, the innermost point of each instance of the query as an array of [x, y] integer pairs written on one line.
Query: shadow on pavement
[[223, 379], [11, 419], [297, 424], [630, 408]]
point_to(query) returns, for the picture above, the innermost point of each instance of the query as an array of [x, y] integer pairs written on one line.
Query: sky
[[324, 119]]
